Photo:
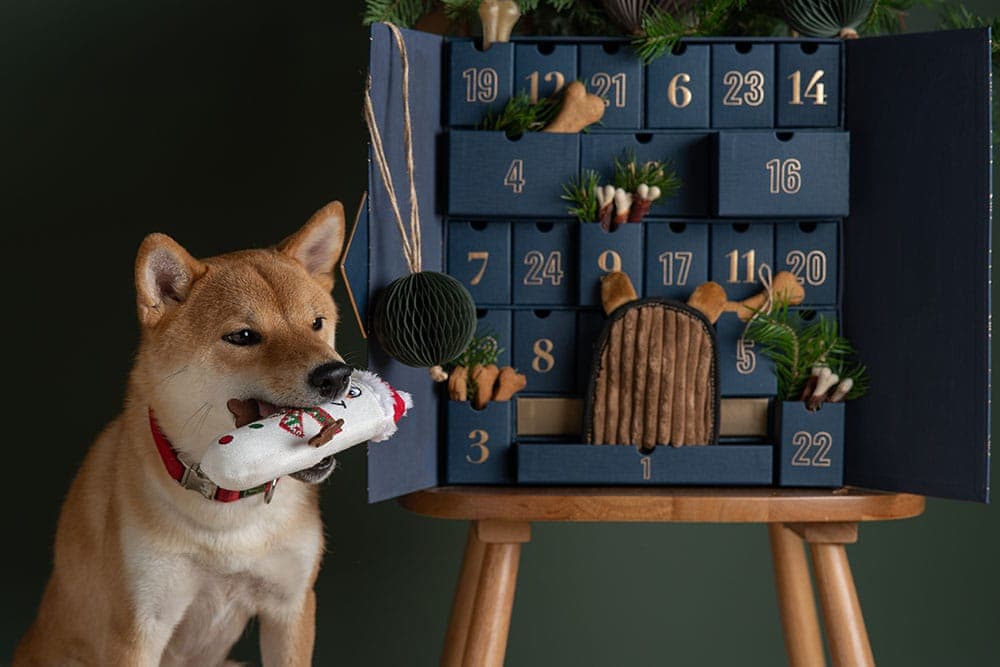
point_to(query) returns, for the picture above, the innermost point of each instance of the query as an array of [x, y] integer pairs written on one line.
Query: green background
[[225, 124]]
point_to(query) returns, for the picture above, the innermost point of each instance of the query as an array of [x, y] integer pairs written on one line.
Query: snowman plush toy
[[258, 452]]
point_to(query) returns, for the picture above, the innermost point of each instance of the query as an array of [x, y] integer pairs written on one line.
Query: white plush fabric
[[279, 444]]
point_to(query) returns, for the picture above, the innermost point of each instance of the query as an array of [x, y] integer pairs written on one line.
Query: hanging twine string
[[764, 275], [412, 240]]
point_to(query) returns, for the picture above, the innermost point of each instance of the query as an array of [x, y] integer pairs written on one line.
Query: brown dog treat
[[437, 373], [243, 412], [616, 290], [579, 110], [710, 299], [509, 382], [498, 18], [326, 433], [785, 286], [623, 207], [458, 388], [484, 377]]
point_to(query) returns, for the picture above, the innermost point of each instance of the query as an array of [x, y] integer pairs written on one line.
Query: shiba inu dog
[[154, 565]]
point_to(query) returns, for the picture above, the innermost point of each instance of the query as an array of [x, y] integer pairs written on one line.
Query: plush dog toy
[[293, 440]]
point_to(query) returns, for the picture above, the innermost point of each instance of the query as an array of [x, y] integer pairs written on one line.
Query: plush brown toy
[[655, 375]]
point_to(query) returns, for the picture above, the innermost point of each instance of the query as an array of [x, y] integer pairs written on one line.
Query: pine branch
[[521, 115], [629, 175], [403, 13], [582, 192]]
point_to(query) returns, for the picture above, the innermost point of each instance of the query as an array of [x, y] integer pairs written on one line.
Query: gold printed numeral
[[554, 76], [479, 439], [514, 178], [603, 83], [746, 358], [804, 441], [785, 176], [750, 257], [609, 261], [543, 361], [744, 88], [481, 85], [482, 256], [808, 267], [679, 96], [542, 268], [815, 89], [647, 467], [676, 267]]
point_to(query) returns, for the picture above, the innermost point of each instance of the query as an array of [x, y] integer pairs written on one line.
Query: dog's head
[[258, 326]]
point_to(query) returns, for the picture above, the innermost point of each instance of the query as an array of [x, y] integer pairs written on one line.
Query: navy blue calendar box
[[810, 444], [893, 201], [601, 252], [497, 323], [589, 325], [676, 258], [687, 152], [479, 443], [742, 85], [544, 266], [479, 258], [677, 88], [739, 250], [613, 71], [479, 82], [743, 369], [491, 174], [542, 70], [782, 173], [545, 350], [809, 251]]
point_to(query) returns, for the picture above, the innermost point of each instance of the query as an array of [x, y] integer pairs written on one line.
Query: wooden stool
[[826, 519]]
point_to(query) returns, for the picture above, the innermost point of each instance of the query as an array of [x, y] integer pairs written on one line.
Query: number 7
[[480, 255]]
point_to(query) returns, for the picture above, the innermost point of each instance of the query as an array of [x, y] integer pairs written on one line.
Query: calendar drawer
[[545, 349], [743, 370], [738, 251], [808, 85], [601, 252], [811, 444], [688, 154], [498, 324], [613, 71], [676, 258], [783, 173], [742, 85], [479, 444], [479, 81], [677, 88], [589, 325], [542, 70], [543, 270], [492, 174], [479, 258], [810, 251]]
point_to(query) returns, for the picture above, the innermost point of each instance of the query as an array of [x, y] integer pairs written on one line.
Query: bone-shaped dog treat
[[509, 383], [784, 286], [710, 299], [499, 18], [579, 110], [292, 440]]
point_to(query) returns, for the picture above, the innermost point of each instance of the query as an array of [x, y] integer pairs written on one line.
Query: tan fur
[[147, 572]]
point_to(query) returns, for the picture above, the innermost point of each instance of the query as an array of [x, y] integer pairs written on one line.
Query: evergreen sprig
[[796, 346], [662, 30], [521, 115], [582, 193], [484, 349], [403, 13], [629, 175]]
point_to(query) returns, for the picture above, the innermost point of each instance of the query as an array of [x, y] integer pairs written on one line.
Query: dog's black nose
[[331, 378]]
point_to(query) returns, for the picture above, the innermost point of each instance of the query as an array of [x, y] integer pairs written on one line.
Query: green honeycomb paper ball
[[826, 18], [424, 319]]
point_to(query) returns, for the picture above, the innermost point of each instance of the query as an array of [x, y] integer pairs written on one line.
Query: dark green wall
[[225, 124]]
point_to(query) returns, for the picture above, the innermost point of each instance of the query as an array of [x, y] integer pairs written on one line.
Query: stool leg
[[487, 641], [465, 595], [795, 599], [845, 626]]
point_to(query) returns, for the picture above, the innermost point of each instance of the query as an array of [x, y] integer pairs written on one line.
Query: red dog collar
[[191, 477]]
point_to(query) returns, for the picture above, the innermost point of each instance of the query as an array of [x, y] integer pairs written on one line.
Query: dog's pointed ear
[[164, 274], [317, 246]]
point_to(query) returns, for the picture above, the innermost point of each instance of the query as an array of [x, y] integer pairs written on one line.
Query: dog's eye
[[318, 323], [242, 337]]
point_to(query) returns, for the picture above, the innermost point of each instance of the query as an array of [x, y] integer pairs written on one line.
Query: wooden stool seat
[[825, 519]]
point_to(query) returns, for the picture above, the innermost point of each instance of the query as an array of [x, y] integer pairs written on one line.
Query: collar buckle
[[195, 480]]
